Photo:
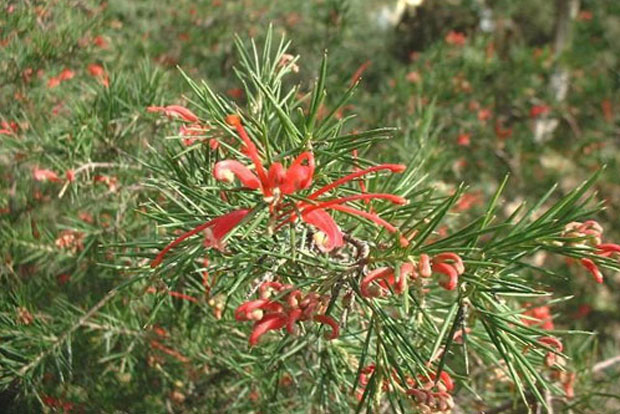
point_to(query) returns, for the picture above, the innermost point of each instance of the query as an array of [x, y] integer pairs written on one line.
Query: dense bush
[[401, 210]]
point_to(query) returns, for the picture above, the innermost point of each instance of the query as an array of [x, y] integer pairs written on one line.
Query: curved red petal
[[268, 323], [450, 272], [328, 320], [325, 223], [227, 170]]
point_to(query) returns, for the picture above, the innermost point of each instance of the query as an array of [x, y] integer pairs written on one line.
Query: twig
[[85, 167], [64, 336], [605, 364]]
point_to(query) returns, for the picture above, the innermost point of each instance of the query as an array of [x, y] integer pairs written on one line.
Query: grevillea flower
[[431, 394], [327, 320], [330, 236], [552, 342], [41, 174], [540, 317], [66, 74], [8, 128], [359, 72], [291, 307], [278, 181], [593, 269], [448, 264], [385, 277], [590, 234], [227, 170], [53, 82], [608, 249], [215, 231], [463, 139], [538, 110], [99, 72], [175, 111], [456, 38]]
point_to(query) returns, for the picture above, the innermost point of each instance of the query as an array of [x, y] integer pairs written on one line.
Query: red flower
[[385, 277], [331, 236], [66, 74], [413, 77], [552, 342], [216, 230], [328, 320], [41, 174], [8, 128], [99, 72], [53, 82], [540, 317], [359, 72], [585, 16], [463, 139], [100, 41], [278, 181], [593, 269], [268, 323], [227, 170], [538, 110], [456, 38], [283, 312], [175, 111]]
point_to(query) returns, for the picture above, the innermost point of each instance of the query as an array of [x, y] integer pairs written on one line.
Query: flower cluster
[[590, 234], [430, 395], [189, 130], [539, 317], [274, 183], [449, 265], [281, 306]]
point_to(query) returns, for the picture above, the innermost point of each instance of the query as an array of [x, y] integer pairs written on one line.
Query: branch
[[64, 336]]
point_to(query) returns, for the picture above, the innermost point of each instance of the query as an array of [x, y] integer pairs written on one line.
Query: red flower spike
[[328, 320], [225, 222], [183, 296], [222, 225], [235, 121], [264, 290], [608, 248], [175, 111], [450, 272], [552, 342], [326, 224], [269, 322], [550, 358], [299, 176], [541, 317], [447, 380], [372, 217], [229, 169], [276, 175], [456, 260], [294, 298], [293, 317], [406, 269], [425, 266], [380, 273], [40, 174], [395, 168], [538, 110], [593, 269], [245, 310], [569, 386], [359, 72]]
